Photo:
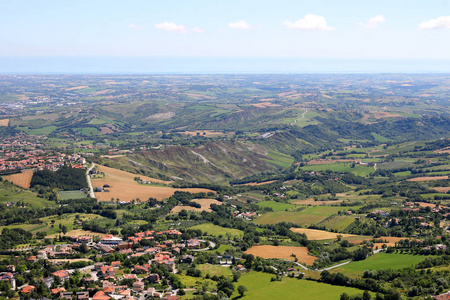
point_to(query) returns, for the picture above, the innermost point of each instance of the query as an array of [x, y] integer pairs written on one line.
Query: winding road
[[91, 189]]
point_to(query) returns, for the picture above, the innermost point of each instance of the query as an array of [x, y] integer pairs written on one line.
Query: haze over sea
[[211, 65]]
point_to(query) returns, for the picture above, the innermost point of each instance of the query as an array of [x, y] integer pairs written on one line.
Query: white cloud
[[170, 26], [239, 25], [134, 26], [309, 22], [440, 22], [375, 22], [198, 30]]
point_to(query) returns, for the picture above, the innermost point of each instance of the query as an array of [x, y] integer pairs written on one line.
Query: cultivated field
[[205, 203], [311, 201], [125, 188], [209, 133], [4, 122], [261, 288], [428, 178], [441, 189], [276, 206], [215, 230], [285, 252], [264, 104], [387, 240], [21, 179], [307, 216], [79, 232], [380, 261], [72, 195], [258, 183], [317, 235]]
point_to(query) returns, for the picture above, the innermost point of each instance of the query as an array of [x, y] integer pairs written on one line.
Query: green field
[[221, 249], [46, 225], [72, 195], [9, 193], [276, 206], [38, 131], [338, 223], [310, 215], [215, 230], [214, 270], [341, 167], [280, 159], [89, 130], [260, 287], [380, 261], [380, 138]]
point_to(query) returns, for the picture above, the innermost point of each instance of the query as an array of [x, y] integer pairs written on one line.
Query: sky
[[222, 36]]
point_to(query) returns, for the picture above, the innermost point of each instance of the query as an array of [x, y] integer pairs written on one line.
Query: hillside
[[211, 162]]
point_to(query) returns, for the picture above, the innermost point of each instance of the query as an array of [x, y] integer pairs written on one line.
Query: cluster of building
[[36, 159], [164, 252]]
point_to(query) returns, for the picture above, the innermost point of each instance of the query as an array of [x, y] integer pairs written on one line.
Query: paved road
[[336, 266], [91, 189], [298, 264], [212, 245]]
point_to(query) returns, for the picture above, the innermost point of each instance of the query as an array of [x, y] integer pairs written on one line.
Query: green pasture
[[380, 261], [341, 167], [214, 270], [72, 195], [310, 215], [211, 229], [276, 206], [260, 288]]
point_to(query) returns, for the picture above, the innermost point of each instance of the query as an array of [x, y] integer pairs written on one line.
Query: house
[[28, 289], [153, 278], [61, 274], [11, 268], [109, 239], [165, 259], [106, 249], [58, 290], [82, 239], [115, 264], [138, 286], [100, 295], [107, 271], [48, 281], [130, 276], [98, 265], [32, 258], [193, 244], [141, 269], [82, 295], [187, 259], [67, 295], [445, 296]]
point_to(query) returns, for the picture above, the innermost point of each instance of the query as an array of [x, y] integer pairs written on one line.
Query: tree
[[226, 286], [64, 229], [344, 296], [366, 295], [241, 290]]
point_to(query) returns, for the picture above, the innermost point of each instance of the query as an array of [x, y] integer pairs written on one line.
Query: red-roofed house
[[61, 274], [28, 289]]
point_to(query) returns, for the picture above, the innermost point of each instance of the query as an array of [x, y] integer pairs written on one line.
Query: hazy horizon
[[213, 65]]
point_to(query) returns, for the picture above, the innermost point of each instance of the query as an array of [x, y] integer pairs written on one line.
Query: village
[[121, 269]]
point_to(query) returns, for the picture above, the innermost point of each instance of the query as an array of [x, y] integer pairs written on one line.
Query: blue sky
[[339, 30]]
